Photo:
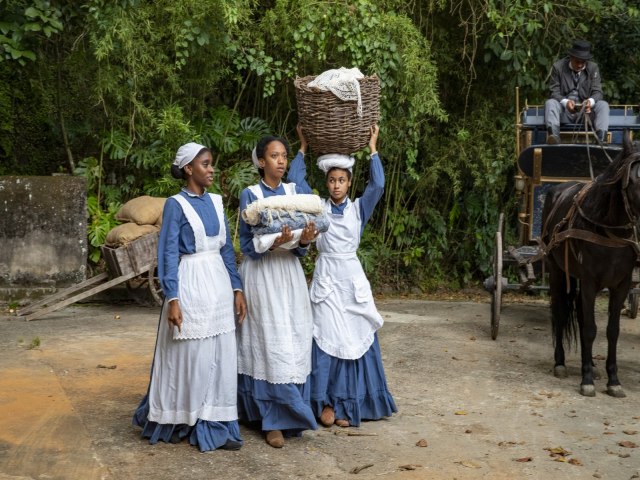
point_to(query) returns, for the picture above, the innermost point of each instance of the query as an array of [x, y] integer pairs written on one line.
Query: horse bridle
[[614, 241]]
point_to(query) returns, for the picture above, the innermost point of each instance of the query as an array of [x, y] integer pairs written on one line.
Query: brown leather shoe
[[275, 439], [328, 416], [341, 422]]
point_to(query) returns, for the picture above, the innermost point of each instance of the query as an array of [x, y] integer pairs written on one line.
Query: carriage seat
[[621, 118]]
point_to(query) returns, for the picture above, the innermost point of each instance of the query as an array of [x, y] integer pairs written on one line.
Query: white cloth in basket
[[342, 82]]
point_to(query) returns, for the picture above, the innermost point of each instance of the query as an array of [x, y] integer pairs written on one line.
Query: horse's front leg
[[588, 331], [617, 297]]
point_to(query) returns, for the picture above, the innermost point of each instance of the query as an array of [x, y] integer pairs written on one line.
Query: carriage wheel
[[154, 285], [496, 297], [632, 309]]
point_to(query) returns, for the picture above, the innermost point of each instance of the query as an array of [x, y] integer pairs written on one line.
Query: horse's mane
[[604, 202]]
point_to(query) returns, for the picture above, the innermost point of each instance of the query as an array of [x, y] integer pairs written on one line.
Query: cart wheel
[[632, 309], [496, 296], [154, 285]]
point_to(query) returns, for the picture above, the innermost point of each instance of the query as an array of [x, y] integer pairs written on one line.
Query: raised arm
[[375, 188], [298, 169]]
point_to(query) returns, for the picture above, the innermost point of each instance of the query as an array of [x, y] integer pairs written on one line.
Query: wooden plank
[[83, 295], [62, 293]]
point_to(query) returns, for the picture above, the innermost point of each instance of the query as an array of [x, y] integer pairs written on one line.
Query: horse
[[590, 242]]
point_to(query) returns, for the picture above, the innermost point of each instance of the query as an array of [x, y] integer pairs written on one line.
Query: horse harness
[[561, 234]]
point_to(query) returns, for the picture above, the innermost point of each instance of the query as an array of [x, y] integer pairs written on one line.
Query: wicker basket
[[332, 125]]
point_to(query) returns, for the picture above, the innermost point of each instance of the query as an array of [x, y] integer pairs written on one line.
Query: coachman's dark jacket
[[562, 81]]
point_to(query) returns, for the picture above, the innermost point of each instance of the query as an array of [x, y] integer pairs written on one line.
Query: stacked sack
[[143, 215]]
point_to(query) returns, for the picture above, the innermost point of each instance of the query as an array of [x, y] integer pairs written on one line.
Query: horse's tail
[[565, 316]]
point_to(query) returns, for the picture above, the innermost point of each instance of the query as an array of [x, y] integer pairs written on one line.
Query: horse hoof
[[560, 371], [588, 390], [616, 391]]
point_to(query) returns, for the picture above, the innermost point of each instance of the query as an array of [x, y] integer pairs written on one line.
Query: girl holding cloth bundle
[[348, 383], [274, 343], [193, 387]]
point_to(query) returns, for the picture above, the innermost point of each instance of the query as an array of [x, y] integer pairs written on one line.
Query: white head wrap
[[331, 160], [254, 158], [186, 153]]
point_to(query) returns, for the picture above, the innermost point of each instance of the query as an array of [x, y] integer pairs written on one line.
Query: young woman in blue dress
[[193, 387]]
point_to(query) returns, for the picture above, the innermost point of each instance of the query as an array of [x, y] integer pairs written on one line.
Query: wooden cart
[[134, 263]]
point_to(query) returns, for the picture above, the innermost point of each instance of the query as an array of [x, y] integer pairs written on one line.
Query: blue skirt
[[356, 389], [282, 407], [205, 435]]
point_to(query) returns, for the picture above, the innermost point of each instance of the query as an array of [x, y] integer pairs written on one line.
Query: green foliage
[[110, 89]]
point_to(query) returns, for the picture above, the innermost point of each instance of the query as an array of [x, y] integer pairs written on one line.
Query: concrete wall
[[43, 234]]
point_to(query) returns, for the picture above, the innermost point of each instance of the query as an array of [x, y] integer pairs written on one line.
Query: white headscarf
[[254, 158], [331, 160], [186, 154]]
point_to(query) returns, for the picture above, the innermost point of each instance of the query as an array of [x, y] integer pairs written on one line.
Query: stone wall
[[43, 234]]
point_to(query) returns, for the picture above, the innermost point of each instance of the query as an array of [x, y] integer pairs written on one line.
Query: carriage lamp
[[519, 183]]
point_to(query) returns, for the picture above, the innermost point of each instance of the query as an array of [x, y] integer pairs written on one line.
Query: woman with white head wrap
[[348, 383], [193, 387], [274, 343]]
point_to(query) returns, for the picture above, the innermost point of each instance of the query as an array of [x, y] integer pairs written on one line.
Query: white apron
[[274, 341], [194, 372], [345, 317]]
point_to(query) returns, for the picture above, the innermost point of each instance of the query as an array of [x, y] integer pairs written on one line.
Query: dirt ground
[[484, 409]]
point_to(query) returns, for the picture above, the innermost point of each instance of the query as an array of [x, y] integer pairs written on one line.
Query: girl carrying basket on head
[[348, 383]]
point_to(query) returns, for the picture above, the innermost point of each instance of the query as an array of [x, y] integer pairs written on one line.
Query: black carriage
[[578, 157]]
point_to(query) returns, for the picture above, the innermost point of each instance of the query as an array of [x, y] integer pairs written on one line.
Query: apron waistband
[[199, 255], [338, 255]]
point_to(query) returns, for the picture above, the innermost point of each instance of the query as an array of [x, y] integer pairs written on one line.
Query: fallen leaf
[[627, 444], [468, 431], [575, 461], [460, 412], [455, 358], [608, 432], [558, 451], [599, 357], [560, 459], [624, 455], [422, 443], [359, 469], [468, 464], [524, 459], [110, 367], [630, 432], [410, 466]]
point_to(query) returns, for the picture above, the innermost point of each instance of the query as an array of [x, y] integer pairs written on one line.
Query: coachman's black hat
[[581, 49]]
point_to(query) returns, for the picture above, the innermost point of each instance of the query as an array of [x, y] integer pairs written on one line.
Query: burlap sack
[[143, 210], [128, 232]]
